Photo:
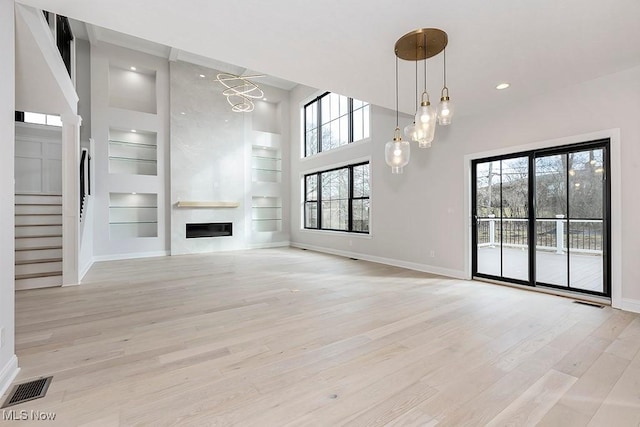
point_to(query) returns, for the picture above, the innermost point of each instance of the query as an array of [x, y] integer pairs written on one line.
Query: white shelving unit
[[266, 214], [133, 215], [134, 153]]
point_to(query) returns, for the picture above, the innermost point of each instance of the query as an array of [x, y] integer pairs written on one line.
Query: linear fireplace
[[209, 229]]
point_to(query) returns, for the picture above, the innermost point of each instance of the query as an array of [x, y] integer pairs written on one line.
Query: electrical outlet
[[432, 254]]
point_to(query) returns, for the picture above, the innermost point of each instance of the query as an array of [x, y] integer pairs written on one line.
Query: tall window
[[333, 120], [338, 199]]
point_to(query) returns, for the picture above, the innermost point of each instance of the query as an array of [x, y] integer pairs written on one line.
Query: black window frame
[[351, 198], [318, 101]]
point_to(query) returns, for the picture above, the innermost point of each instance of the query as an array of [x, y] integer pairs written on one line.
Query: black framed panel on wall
[[542, 218]]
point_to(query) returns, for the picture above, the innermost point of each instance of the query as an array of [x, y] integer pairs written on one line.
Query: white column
[[560, 234], [492, 230], [70, 198], [8, 360]]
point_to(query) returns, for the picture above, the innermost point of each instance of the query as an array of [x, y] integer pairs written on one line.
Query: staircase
[[38, 241]]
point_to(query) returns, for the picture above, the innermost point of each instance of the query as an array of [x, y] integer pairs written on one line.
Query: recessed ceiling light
[[134, 193], [133, 130], [183, 113], [264, 99], [133, 68], [502, 86], [203, 76]]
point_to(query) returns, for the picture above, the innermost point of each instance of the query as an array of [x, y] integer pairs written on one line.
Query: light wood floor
[[285, 337]]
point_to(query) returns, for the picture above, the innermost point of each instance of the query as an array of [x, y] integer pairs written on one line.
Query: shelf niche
[[132, 90], [133, 215], [133, 153], [266, 214], [266, 164]]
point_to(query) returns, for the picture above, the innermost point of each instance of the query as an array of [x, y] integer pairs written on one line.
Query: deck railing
[[579, 235]]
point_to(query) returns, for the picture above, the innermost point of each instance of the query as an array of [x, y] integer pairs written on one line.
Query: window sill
[[366, 236]]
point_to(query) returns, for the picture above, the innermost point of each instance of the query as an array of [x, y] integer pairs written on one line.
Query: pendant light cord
[[397, 112], [425, 62], [444, 53], [417, 84]]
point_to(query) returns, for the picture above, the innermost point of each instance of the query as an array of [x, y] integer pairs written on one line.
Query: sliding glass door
[[541, 218], [502, 218]]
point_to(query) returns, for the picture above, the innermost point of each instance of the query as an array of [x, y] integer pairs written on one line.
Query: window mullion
[[319, 200], [350, 107], [319, 121], [350, 201]]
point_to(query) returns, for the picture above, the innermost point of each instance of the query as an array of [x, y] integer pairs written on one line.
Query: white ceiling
[[347, 46]]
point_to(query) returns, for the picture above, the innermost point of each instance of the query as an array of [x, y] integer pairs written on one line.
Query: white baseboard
[[132, 255], [8, 373], [269, 245], [456, 274], [632, 305], [85, 270]]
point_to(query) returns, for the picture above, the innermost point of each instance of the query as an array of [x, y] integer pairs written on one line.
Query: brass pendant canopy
[[411, 46]]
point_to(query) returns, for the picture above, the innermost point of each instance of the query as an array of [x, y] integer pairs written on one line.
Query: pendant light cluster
[[419, 45]]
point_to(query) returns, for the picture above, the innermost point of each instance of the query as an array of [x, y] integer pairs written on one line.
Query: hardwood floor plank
[[588, 393], [581, 357], [621, 407], [529, 408]]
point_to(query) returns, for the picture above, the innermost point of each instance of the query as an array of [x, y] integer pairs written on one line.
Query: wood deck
[[285, 337], [586, 270]]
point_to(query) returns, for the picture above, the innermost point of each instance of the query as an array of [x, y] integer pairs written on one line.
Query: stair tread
[[38, 261], [38, 194], [39, 248], [38, 214], [36, 275], [38, 204], [38, 225], [39, 236]]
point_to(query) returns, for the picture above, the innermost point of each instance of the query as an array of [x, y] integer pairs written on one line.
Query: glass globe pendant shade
[[410, 132], [396, 153], [426, 118], [445, 108]]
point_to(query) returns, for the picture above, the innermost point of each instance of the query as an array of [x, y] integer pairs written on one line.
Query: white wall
[[211, 148], [38, 159], [8, 361], [423, 210], [105, 115]]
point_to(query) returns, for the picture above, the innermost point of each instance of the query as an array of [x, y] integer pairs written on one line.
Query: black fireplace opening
[[209, 229]]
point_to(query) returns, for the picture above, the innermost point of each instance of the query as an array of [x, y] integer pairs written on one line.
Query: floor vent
[[28, 391], [590, 304]]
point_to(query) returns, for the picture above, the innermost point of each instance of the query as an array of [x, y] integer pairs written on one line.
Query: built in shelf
[[266, 164], [133, 153], [133, 144], [266, 214], [133, 222], [132, 159], [206, 204], [133, 215]]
